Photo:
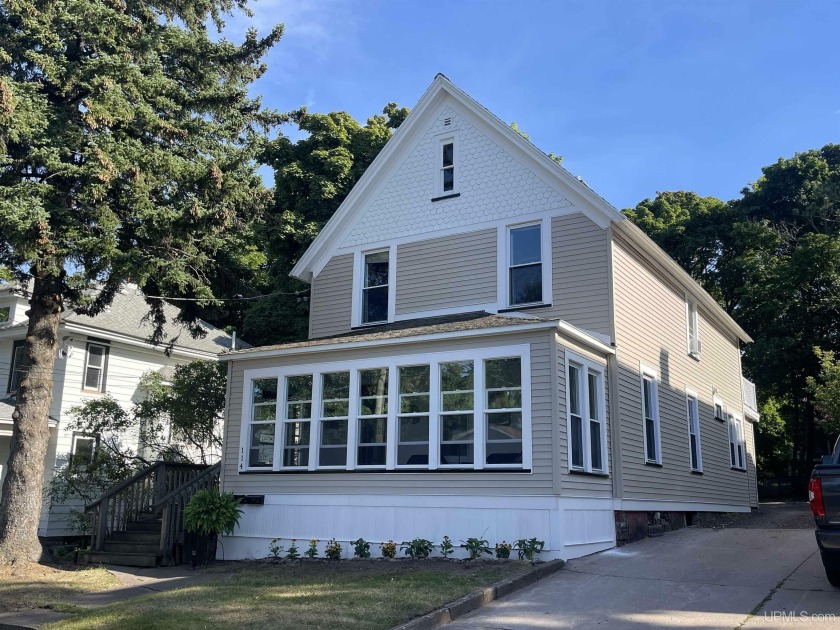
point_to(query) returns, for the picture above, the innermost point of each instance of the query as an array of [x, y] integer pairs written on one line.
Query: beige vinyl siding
[[446, 272], [571, 484], [538, 482], [331, 300], [650, 323], [580, 273], [749, 436]]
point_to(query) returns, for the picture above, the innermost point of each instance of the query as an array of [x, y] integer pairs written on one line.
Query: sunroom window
[[586, 421], [373, 417], [503, 384], [335, 409], [457, 420], [413, 419], [298, 421], [525, 274], [375, 288], [263, 416]]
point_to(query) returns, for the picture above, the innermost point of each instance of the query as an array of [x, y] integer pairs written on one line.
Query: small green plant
[[503, 550], [312, 551], [293, 553], [476, 547], [389, 549], [361, 548], [333, 550], [210, 512], [418, 548], [527, 547], [446, 547], [275, 549]]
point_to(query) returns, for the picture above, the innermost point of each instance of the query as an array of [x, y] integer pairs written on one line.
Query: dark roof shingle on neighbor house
[[476, 320]]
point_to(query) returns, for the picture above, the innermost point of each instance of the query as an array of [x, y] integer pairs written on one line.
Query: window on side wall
[[82, 450], [586, 423], [737, 444], [263, 422], [525, 269], [650, 417], [375, 276], [692, 328], [96, 366], [18, 367], [693, 414]]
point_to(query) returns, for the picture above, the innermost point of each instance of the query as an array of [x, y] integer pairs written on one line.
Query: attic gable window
[[447, 169]]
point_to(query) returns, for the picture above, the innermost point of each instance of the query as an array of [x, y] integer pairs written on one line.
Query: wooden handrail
[[215, 468], [122, 485]]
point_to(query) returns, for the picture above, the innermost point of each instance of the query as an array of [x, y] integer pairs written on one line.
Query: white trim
[[503, 251], [692, 400], [693, 346], [358, 284], [442, 139], [478, 356], [586, 366], [652, 374], [104, 333]]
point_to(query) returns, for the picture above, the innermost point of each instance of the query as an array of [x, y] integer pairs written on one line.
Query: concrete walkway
[[692, 578]]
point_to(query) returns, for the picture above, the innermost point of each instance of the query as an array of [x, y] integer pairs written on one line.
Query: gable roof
[[579, 193]]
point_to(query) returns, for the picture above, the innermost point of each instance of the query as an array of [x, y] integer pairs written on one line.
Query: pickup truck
[[824, 497]]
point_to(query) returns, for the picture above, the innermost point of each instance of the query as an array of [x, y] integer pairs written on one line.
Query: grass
[[43, 586], [367, 595]]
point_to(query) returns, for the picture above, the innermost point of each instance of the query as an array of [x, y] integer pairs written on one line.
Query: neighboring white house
[[105, 354], [495, 351]]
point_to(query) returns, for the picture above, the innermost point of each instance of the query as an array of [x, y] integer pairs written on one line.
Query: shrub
[[527, 547], [446, 547], [333, 550], [275, 549], [503, 550], [293, 551], [389, 549], [418, 548], [210, 512], [312, 551], [476, 547], [361, 548]]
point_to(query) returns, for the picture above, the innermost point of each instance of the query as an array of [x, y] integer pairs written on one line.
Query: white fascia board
[[133, 341], [750, 415], [576, 334], [648, 246]]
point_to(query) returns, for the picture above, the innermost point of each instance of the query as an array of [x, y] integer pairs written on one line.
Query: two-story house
[[105, 354], [494, 351]]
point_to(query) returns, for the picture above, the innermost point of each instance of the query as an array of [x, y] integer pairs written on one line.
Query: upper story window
[[18, 367], [719, 409], [96, 366], [692, 328], [375, 287], [5, 313], [650, 417], [446, 175], [525, 268]]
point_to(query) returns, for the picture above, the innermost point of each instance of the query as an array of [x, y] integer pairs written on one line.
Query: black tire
[[833, 576]]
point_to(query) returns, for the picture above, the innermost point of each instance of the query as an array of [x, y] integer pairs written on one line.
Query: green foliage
[[333, 550], [446, 547], [826, 391], [503, 550], [388, 549], [293, 553], [476, 547], [528, 547], [211, 512], [312, 550], [772, 440], [361, 548], [418, 548], [275, 548]]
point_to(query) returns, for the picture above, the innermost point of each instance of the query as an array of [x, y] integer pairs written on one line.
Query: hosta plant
[[210, 512], [528, 547], [476, 547], [418, 548], [361, 548]]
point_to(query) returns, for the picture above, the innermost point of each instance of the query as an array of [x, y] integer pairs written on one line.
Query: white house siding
[[331, 298], [447, 272], [650, 327]]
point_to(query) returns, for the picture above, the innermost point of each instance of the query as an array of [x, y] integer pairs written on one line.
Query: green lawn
[[369, 595]]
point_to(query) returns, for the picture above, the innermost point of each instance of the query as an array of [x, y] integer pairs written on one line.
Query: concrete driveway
[[692, 578]]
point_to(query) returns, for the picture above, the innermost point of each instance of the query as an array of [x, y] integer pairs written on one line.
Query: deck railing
[[749, 394]]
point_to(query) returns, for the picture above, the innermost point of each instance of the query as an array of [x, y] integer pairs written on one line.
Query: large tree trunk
[[20, 506]]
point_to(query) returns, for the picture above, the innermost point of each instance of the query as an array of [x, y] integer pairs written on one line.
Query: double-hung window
[[525, 267], [692, 328], [96, 366], [375, 274], [18, 368], [413, 419], [693, 414], [503, 404], [297, 421], [737, 444], [373, 418], [335, 410], [586, 415], [457, 418], [650, 416], [82, 450], [263, 417], [446, 176]]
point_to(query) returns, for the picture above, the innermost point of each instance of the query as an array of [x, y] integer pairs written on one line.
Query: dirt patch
[[42, 585], [777, 515]]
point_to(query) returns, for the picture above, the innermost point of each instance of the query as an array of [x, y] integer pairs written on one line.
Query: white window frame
[[736, 440], [283, 418], [103, 370], [523, 351], [692, 402], [586, 366], [440, 168], [503, 264], [717, 401], [249, 423], [320, 418], [74, 446], [693, 345], [356, 319], [646, 371], [397, 413], [359, 417]]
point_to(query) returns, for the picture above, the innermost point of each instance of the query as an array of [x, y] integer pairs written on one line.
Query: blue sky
[[639, 97]]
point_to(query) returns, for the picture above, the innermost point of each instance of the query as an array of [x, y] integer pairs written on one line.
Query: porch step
[[149, 549], [136, 537], [148, 525], [123, 559]]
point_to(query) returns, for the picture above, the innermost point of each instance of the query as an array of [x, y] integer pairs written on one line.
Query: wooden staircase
[[139, 522]]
